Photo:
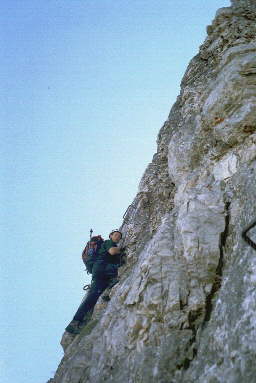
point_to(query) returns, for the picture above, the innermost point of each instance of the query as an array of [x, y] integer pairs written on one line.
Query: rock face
[[185, 307]]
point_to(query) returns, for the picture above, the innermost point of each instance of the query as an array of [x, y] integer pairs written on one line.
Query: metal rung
[[245, 236]]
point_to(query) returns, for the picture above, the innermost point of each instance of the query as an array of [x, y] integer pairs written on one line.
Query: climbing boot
[[86, 319], [105, 298], [74, 327], [112, 283]]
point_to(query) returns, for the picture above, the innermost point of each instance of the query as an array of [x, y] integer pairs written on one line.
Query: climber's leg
[[97, 288]]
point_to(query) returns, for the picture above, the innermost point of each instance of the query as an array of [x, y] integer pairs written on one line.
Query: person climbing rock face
[[104, 275]]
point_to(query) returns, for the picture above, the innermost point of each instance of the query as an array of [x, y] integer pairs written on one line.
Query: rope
[[245, 236]]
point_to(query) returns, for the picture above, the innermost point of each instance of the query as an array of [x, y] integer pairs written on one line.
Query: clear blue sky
[[86, 86]]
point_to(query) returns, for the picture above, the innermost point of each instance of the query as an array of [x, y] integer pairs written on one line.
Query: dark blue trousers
[[102, 276]]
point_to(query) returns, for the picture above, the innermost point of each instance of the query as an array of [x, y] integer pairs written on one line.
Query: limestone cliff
[[185, 307]]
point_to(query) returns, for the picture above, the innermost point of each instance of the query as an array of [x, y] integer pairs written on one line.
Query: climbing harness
[[128, 211], [86, 287], [245, 236]]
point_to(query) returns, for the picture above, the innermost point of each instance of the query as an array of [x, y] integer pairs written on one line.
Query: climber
[[104, 274]]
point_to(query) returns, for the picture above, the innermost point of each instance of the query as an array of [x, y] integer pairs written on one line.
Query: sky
[[86, 86]]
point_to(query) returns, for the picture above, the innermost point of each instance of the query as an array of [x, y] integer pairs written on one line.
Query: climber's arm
[[114, 250]]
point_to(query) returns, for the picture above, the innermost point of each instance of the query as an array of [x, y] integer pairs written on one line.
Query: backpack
[[91, 251]]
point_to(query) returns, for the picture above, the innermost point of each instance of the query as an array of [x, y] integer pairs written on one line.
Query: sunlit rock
[[184, 309]]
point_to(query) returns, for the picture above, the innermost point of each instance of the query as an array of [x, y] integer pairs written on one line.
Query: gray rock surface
[[185, 307]]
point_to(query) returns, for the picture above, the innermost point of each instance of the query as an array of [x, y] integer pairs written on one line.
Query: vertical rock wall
[[184, 309]]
